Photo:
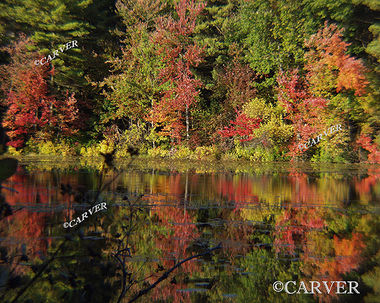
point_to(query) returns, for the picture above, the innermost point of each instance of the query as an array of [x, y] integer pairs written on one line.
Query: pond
[[195, 232]]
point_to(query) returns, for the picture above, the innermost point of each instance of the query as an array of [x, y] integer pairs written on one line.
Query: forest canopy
[[228, 79]]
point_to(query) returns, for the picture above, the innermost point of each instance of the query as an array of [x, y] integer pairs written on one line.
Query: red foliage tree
[[30, 108], [303, 109], [374, 153], [242, 127], [179, 55]]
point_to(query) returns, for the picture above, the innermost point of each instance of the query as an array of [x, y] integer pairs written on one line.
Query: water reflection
[[290, 225]]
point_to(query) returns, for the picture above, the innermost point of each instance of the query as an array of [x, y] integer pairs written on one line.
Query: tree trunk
[[154, 141], [187, 122]]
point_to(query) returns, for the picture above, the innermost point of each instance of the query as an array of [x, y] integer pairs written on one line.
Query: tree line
[[228, 79]]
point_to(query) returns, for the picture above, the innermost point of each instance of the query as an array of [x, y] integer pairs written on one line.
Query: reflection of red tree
[[298, 229], [166, 185], [25, 226], [174, 246], [303, 190], [28, 225], [293, 227], [238, 189], [365, 185], [236, 236], [175, 187], [182, 232], [348, 257], [28, 192]]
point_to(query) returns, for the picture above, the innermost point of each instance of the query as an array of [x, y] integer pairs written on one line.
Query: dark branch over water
[[166, 274]]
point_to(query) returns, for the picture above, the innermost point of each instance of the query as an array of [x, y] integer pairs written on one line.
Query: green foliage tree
[[50, 25], [272, 36], [273, 32], [133, 87]]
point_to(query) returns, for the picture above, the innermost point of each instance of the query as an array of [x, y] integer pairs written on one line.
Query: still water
[[193, 232]]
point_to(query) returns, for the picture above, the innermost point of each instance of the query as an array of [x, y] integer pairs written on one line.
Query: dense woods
[[228, 79]]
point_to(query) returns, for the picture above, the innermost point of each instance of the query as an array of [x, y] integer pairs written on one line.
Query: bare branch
[[166, 274]]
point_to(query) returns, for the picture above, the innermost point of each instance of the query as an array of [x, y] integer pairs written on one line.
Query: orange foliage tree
[[330, 67], [333, 79], [334, 74]]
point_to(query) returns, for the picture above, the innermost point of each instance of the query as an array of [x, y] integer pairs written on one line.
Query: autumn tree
[[341, 79], [365, 143], [234, 85], [330, 68], [179, 54], [303, 109], [242, 128], [133, 87], [334, 80], [31, 110]]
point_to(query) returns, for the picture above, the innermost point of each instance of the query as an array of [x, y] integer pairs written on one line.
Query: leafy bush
[[182, 152], [272, 131], [105, 146], [13, 151], [133, 136], [263, 155], [206, 153], [244, 153], [158, 152], [48, 147], [329, 154]]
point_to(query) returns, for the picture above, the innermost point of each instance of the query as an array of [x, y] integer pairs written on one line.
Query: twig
[[124, 290], [166, 274]]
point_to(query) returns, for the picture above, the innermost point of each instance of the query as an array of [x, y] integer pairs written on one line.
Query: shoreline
[[159, 164]]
